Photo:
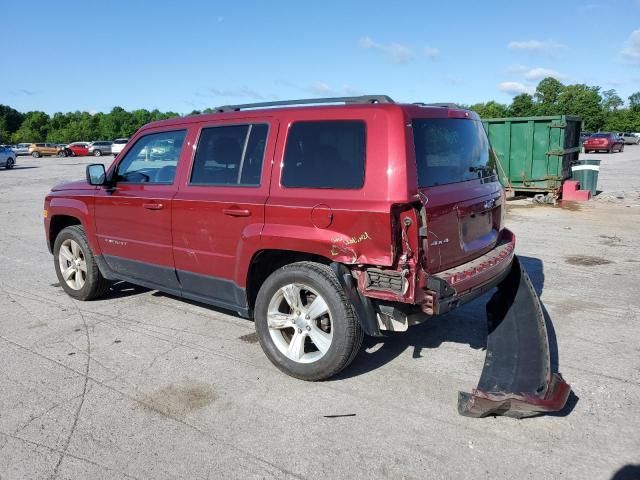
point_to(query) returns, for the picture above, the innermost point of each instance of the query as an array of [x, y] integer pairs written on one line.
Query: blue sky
[[185, 55]]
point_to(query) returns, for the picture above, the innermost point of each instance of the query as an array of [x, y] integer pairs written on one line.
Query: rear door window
[[230, 155], [451, 150], [325, 154]]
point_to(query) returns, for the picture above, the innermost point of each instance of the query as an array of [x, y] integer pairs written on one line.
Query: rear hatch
[[459, 189]]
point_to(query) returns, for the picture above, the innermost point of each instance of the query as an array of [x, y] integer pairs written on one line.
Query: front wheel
[[97, 153], [76, 266], [305, 324], [9, 164]]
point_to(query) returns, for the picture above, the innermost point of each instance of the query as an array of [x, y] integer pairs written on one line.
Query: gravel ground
[[144, 385]]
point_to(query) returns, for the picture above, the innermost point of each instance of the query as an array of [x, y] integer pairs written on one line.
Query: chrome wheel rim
[[73, 265], [300, 323]]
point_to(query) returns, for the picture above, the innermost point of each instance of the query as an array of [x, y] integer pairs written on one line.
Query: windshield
[[451, 150]]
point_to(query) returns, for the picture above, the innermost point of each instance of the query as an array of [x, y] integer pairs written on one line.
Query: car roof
[[314, 106]]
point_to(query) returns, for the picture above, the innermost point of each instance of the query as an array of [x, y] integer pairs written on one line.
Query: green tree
[[611, 101], [583, 101], [547, 95], [34, 128], [10, 121], [634, 102], [522, 106], [490, 109]]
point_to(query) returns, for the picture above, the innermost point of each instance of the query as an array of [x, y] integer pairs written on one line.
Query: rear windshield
[[451, 150], [601, 135]]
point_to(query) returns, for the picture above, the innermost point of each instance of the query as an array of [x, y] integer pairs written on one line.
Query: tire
[[586, 151], [63, 153], [97, 153], [621, 148], [335, 325], [36, 155], [9, 163], [81, 284]]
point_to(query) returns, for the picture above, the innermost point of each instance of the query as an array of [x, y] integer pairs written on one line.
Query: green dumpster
[[586, 172], [535, 153]]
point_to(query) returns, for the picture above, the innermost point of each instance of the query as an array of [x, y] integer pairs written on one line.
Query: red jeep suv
[[321, 222]]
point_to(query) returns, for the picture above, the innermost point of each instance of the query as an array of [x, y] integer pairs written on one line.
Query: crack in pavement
[[207, 435], [83, 397], [76, 457]]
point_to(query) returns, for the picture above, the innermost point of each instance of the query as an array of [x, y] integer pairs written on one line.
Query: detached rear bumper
[[451, 288]]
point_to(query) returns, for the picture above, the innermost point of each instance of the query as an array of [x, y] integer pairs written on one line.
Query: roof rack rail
[[443, 105], [307, 101]]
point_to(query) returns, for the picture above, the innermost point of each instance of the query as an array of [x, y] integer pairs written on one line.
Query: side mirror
[[96, 174]]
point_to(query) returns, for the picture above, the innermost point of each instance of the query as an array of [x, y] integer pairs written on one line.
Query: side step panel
[[516, 380]]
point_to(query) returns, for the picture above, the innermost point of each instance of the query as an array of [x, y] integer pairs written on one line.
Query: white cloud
[[322, 88], [517, 68], [241, 92], [394, 52], [540, 73], [514, 88], [631, 50], [431, 52], [536, 45]]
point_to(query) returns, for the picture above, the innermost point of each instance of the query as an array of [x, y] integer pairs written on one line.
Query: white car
[[7, 157], [118, 145], [22, 149], [629, 138]]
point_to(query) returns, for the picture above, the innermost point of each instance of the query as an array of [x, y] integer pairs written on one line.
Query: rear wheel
[[304, 322], [9, 164], [97, 153], [76, 266], [586, 151], [621, 148]]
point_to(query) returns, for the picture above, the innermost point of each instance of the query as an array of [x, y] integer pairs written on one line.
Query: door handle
[[153, 206], [236, 212]]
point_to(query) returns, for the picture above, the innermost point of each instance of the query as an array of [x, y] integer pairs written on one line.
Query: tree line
[[600, 111]]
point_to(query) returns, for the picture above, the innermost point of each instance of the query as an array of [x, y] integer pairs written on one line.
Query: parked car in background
[[100, 148], [7, 157], [604, 141], [21, 148], [629, 138], [37, 150], [584, 136], [118, 145], [78, 149]]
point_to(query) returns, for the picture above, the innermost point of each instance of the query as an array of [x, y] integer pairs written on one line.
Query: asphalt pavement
[[144, 385]]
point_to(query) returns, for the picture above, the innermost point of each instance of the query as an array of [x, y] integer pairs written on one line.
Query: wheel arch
[[265, 262], [64, 212], [59, 223]]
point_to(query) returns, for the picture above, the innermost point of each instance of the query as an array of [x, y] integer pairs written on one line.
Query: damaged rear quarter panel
[[359, 229], [354, 237]]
